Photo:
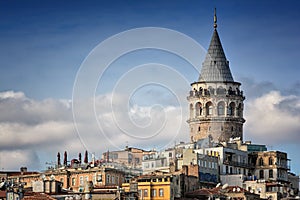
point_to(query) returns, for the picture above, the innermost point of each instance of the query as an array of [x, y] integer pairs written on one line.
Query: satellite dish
[[218, 185], [225, 186], [234, 189], [2, 184], [52, 177], [238, 189]]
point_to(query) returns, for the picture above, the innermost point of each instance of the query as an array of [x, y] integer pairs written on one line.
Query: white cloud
[[32, 132], [273, 119]]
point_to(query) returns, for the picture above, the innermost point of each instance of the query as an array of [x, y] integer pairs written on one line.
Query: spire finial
[[215, 18]]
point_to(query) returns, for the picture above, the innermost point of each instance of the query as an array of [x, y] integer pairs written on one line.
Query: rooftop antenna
[[215, 18]]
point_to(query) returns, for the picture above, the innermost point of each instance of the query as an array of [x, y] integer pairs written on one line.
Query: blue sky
[[43, 44]]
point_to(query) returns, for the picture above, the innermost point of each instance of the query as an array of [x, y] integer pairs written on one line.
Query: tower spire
[[215, 18]]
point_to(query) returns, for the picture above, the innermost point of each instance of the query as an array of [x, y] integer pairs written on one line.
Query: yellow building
[[161, 186], [152, 187]]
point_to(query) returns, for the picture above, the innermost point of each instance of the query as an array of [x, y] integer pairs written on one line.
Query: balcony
[[238, 164]]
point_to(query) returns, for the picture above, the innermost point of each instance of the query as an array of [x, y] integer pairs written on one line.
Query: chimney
[[58, 160], [86, 157], [79, 158], [65, 158], [23, 169]]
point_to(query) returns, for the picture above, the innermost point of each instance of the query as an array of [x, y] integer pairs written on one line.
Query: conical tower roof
[[215, 67]]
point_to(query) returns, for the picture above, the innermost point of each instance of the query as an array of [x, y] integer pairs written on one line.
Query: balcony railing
[[238, 164]]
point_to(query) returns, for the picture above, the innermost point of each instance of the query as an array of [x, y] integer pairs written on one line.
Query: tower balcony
[[214, 93]]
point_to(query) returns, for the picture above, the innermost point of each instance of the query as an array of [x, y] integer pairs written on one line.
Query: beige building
[[130, 156], [74, 178]]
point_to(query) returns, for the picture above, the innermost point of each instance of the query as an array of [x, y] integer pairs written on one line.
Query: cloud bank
[[33, 131]]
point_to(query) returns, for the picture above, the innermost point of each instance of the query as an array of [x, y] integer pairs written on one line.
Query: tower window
[[221, 108], [198, 109], [209, 108], [230, 111], [199, 128]]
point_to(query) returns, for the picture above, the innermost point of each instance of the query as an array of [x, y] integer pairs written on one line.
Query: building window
[[230, 111], [227, 170], [270, 161], [153, 192], [271, 173], [86, 179], [209, 108], [99, 178], [73, 181], [113, 179], [198, 109], [161, 192], [146, 193], [261, 174], [199, 129], [107, 178], [81, 180], [261, 162], [140, 193], [221, 108]]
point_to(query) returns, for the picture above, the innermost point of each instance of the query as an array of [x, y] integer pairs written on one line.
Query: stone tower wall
[[216, 110]]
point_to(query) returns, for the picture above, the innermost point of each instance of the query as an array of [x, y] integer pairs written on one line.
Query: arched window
[[270, 161], [209, 108], [271, 173], [231, 107], [261, 174], [199, 129], [261, 162], [221, 108], [198, 109]]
